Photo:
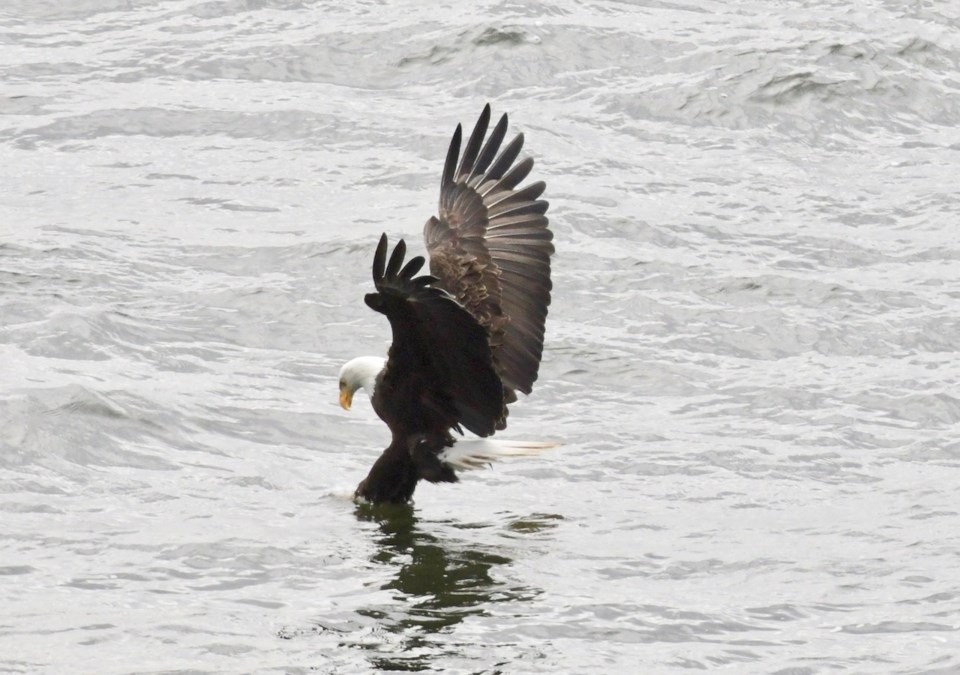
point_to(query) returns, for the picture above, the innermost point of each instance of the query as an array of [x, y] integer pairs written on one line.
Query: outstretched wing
[[439, 356], [490, 248]]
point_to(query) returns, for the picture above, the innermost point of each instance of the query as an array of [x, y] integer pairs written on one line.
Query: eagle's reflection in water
[[437, 584]]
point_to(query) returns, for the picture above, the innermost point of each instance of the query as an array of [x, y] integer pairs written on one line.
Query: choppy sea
[[752, 357]]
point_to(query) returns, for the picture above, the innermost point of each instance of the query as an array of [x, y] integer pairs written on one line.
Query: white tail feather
[[477, 454]]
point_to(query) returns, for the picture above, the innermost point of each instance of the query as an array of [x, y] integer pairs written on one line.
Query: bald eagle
[[469, 335]]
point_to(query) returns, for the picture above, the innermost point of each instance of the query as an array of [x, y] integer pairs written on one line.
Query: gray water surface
[[751, 360]]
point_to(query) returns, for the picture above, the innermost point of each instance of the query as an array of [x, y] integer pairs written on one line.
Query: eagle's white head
[[359, 373]]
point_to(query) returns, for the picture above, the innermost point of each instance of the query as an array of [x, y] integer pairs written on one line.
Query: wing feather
[[514, 177], [507, 157], [472, 150], [489, 149]]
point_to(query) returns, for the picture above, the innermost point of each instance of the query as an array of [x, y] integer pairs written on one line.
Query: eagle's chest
[[410, 405]]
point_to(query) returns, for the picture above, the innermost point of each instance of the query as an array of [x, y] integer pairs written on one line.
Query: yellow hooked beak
[[346, 399]]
